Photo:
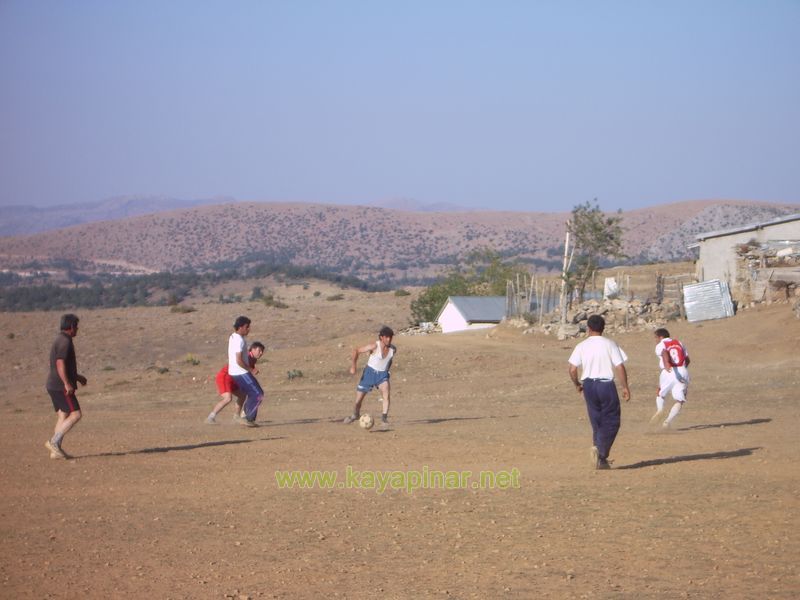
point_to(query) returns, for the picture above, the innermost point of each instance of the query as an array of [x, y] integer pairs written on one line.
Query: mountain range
[[372, 243]]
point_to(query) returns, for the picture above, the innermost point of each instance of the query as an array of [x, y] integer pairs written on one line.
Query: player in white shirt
[[600, 359]]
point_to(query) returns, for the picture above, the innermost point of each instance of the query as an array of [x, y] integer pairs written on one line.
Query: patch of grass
[[401, 292], [108, 368], [335, 297], [270, 300], [182, 308], [10, 336], [192, 359], [294, 374]]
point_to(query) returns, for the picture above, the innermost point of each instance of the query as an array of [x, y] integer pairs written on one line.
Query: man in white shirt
[[243, 372], [600, 360]]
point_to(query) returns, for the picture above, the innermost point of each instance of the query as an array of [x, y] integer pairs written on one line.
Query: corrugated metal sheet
[[707, 300], [480, 309]]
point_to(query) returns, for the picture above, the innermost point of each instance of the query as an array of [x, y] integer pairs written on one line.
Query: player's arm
[[61, 369], [242, 364], [622, 376], [573, 375], [666, 359], [356, 351]]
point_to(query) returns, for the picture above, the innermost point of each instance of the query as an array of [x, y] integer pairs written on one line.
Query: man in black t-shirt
[[61, 383]]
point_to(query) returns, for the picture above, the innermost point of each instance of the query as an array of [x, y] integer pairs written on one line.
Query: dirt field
[[159, 505]]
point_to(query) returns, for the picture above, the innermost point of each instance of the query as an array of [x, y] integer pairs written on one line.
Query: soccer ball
[[366, 421]]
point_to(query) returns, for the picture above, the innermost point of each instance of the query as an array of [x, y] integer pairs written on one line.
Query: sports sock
[[659, 404], [676, 408], [385, 417], [56, 440], [212, 415]]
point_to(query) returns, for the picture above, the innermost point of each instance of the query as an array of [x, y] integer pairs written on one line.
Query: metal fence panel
[[707, 300]]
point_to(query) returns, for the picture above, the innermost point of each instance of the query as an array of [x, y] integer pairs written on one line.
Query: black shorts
[[62, 402]]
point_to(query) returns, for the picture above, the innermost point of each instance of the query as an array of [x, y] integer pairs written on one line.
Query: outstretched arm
[[356, 351]]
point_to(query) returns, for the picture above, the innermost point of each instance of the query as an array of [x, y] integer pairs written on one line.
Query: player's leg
[[356, 407], [69, 413], [665, 383], [255, 395], [240, 398], [226, 399], [679, 394], [385, 390]]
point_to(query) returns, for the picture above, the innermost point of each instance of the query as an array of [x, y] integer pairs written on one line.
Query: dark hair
[[596, 323], [240, 322], [662, 333], [69, 321], [257, 345], [386, 332]]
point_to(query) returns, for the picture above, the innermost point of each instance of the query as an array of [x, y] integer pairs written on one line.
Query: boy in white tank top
[[375, 374]]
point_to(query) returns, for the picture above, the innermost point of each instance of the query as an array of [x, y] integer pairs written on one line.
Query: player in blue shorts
[[376, 373]]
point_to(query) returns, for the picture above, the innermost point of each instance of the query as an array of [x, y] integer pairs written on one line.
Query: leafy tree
[[485, 275], [427, 306], [595, 238]]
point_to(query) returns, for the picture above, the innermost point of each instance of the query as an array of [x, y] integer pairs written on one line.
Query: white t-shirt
[[597, 356], [236, 344]]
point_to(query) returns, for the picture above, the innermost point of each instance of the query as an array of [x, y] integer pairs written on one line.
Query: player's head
[[386, 332], [596, 323], [69, 321], [240, 322], [661, 333], [257, 349]]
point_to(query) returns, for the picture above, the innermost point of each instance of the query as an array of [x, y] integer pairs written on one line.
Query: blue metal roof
[[479, 309]]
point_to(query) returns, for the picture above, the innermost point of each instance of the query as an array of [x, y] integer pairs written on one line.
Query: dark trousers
[[250, 386], [602, 404]]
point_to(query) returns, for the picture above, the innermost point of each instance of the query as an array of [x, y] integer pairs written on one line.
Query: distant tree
[[427, 306], [595, 238]]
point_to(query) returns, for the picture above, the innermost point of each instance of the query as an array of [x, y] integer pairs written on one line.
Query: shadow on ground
[[717, 425], [690, 457], [163, 449]]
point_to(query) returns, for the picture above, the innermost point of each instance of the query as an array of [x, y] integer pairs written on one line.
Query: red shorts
[[225, 383]]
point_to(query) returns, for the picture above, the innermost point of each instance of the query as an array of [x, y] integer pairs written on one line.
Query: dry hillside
[[370, 243]]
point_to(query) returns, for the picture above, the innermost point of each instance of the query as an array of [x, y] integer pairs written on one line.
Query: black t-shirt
[[63, 349]]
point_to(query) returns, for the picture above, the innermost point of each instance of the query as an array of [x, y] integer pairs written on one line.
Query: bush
[[182, 308], [400, 293], [335, 297]]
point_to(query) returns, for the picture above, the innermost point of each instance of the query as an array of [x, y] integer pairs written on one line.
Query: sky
[[530, 105]]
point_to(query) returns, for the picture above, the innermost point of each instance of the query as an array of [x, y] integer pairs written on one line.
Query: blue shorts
[[371, 379]]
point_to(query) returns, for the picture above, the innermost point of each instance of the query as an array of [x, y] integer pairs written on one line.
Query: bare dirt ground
[[157, 504]]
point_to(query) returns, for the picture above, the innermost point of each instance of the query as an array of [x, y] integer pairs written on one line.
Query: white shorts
[[679, 386]]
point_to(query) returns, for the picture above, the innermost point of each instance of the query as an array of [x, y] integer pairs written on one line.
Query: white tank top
[[380, 363]]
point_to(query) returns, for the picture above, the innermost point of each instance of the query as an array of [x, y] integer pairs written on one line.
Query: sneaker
[[665, 425], [656, 417], [594, 456], [349, 419], [384, 423], [236, 418], [249, 423], [602, 464], [211, 420], [55, 451]]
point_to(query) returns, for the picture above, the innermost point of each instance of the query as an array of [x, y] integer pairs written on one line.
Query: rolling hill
[[375, 244]]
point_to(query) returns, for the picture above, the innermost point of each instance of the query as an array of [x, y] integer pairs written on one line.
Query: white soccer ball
[[366, 421]]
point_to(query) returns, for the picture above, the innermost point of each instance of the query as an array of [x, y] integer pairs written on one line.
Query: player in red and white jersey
[[673, 359]]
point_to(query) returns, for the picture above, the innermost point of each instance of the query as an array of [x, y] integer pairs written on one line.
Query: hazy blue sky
[[506, 104]]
